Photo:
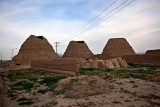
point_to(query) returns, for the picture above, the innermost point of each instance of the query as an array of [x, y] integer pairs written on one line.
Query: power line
[[99, 21], [92, 19]]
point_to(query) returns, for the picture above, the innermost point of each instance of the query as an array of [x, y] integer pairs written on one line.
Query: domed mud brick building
[[35, 47], [117, 47], [78, 49]]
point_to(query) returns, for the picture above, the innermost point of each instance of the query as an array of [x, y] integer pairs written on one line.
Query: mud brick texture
[[64, 66]]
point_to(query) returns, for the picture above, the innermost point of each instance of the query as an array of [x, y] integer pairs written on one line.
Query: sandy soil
[[120, 92]]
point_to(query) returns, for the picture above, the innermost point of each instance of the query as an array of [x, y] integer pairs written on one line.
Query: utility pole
[[12, 51], [57, 43], [1, 58]]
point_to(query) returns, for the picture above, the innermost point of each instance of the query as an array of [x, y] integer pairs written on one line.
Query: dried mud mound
[[112, 63], [81, 86], [78, 49], [117, 47], [153, 52], [35, 47]]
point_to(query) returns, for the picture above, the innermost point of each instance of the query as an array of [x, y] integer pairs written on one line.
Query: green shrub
[[42, 91], [25, 84], [51, 80], [74, 80]]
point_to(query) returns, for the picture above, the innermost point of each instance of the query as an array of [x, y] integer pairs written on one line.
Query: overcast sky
[[56, 20]]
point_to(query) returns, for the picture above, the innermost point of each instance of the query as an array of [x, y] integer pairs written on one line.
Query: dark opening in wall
[[18, 64], [80, 41], [40, 37]]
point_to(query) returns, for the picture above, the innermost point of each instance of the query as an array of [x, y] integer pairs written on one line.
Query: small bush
[[22, 99], [74, 80], [42, 91], [25, 84], [51, 80]]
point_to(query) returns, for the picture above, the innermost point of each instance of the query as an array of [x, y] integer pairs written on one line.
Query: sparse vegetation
[[74, 80], [25, 85], [51, 80], [42, 91], [150, 74]]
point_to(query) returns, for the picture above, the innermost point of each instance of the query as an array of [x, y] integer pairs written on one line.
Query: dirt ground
[[38, 89]]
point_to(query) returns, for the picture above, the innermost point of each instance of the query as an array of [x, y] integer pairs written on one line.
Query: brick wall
[[65, 66], [138, 59]]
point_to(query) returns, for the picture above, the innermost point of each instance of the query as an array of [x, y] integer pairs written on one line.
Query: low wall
[[64, 66], [1, 89], [143, 59], [137, 59]]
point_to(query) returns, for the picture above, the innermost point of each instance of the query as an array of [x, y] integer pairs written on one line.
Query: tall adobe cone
[[117, 47], [78, 49], [153, 52], [35, 47]]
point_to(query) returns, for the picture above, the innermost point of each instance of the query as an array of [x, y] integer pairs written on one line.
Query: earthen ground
[[120, 92]]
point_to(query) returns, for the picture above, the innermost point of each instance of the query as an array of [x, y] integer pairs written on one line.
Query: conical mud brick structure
[[117, 47], [78, 49], [35, 47]]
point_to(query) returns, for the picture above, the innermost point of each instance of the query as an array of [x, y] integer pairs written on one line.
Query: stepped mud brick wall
[[153, 52], [78, 49], [35, 47], [117, 47], [65, 66]]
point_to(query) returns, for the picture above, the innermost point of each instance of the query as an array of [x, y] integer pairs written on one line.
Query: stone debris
[[112, 63], [78, 49]]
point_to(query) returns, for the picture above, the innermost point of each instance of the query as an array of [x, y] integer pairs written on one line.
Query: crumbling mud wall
[[153, 52], [117, 47], [78, 49], [64, 66], [137, 59], [143, 59], [35, 47]]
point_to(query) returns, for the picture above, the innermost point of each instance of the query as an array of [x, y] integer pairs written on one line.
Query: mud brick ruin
[[153, 52], [65, 66], [78, 49], [117, 47], [35, 47]]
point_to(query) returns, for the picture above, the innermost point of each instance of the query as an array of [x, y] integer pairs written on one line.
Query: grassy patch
[[28, 102], [42, 91], [25, 85], [25, 74], [92, 71], [74, 80], [51, 80], [150, 74], [142, 65], [22, 99]]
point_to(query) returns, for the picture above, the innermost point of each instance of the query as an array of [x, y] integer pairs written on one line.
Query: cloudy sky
[[57, 20]]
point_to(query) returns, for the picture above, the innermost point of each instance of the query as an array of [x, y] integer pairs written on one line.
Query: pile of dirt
[[81, 86], [117, 47], [35, 47], [112, 63], [78, 49]]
